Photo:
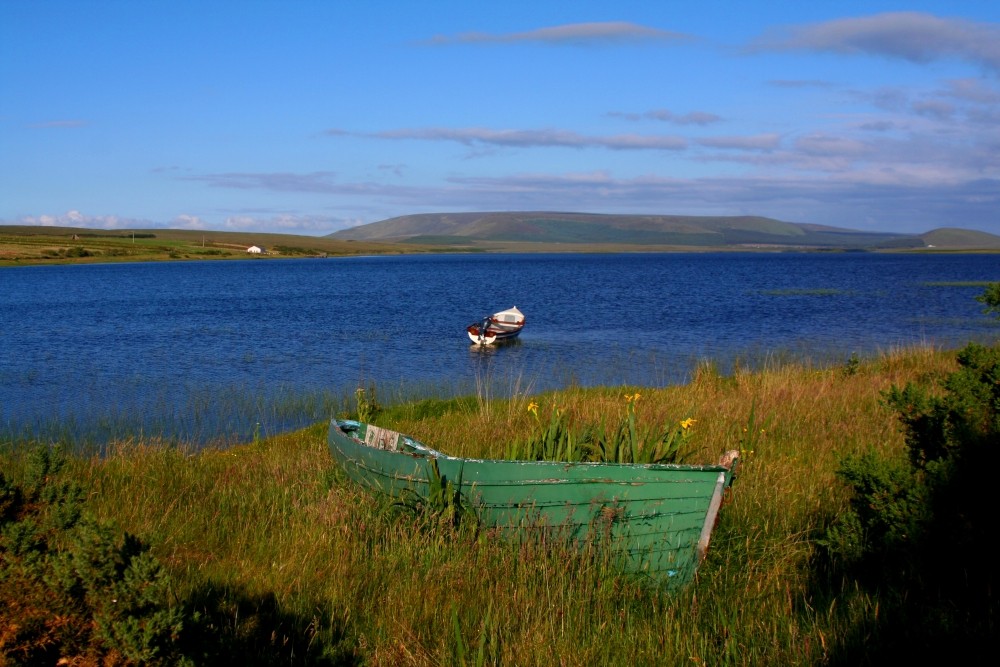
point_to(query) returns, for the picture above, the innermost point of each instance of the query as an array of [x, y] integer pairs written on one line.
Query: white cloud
[[75, 218], [184, 221]]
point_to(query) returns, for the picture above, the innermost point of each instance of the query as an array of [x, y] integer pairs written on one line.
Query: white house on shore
[[255, 250]]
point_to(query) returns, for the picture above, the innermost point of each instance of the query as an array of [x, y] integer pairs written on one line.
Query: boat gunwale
[[428, 452]]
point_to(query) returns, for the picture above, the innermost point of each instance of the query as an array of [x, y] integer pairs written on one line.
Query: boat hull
[[655, 519], [497, 328], [492, 336]]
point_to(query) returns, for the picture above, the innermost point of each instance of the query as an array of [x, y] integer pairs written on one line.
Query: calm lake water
[[208, 350]]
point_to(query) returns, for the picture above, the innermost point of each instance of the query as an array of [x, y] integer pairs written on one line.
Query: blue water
[[203, 350]]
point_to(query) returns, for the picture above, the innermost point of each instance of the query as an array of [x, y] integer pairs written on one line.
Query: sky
[[307, 117]]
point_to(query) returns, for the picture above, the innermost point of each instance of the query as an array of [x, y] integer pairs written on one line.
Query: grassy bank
[[289, 563]]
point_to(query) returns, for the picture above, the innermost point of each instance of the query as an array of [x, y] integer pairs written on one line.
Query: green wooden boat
[[656, 519]]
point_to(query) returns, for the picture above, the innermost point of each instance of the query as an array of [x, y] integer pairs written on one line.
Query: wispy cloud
[[825, 145], [288, 182], [827, 180], [286, 223], [760, 142], [58, 123], [549, 138], [667, 116], [936, 109], [920, 203], [576, 34], [319, 181], [957, 100], [913, 36], [971, 90], [877, 126], [799, 83]]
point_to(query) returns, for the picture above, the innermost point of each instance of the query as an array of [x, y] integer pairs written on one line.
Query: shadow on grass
[[932, 602], [240, 628]]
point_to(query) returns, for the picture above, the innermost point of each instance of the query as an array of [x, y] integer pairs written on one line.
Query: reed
[[274, 544]]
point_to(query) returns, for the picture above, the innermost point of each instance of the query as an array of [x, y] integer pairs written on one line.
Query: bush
[[77, 251], [920, 529], [74, 588], [991, 299]]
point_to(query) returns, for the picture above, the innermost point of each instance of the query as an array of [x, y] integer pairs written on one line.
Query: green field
[[22, 245]]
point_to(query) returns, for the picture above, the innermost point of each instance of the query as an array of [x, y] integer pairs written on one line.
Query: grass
[[27, 245], [321, 572]]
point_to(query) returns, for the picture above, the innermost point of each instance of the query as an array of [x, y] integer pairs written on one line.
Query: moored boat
[[657, 519], [498, 327]]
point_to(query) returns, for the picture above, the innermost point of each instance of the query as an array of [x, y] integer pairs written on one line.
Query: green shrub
[[991, 299], [72, 587], [77, 251], [920, 529]]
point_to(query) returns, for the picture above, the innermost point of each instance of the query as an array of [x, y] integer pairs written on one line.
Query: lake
[[213, 350]]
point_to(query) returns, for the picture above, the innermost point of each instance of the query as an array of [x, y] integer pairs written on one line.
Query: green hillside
[[492, 229], [948, 237]]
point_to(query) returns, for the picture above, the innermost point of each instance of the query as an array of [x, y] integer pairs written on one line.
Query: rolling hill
[[492, 229]]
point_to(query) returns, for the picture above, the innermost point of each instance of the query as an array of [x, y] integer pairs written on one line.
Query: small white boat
[[505, 325]]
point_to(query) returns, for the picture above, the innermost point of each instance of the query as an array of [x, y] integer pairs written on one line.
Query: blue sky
[[307, 117]]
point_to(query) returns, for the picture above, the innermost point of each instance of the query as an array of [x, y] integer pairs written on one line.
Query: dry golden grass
[[276, 518]]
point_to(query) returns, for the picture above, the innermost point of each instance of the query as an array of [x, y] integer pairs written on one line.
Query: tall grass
[[368, 584]]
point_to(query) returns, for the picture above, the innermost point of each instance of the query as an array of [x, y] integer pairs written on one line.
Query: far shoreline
[[22, 245]]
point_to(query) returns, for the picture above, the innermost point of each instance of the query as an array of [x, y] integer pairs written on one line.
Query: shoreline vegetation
[[264, 553], [22, 245]]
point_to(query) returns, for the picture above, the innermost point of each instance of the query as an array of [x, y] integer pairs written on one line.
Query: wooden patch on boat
[[382, 438]]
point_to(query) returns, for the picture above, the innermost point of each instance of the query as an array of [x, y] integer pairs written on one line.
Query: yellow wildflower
[[686, 423], [533, 408]]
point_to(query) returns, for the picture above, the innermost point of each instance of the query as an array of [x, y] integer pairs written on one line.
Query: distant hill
[[489, 229], [948, 237]]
